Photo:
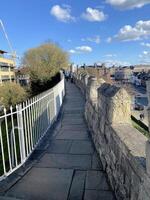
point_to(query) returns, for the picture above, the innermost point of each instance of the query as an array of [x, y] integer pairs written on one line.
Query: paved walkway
[[69, 168]]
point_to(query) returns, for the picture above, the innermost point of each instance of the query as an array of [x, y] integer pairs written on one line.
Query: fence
[[24, 126]]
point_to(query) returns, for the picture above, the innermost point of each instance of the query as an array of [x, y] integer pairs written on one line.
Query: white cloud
[[72, 51], [110, 63], [62, 14], [145, 52], [128, 4], [94, 15], [84, 49], [108, 40], [145, 44], [140, 31], [96, 39], [145, 57], [81, 49]]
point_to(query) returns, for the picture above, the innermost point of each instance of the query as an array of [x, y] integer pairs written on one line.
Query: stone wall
[[120, 146], [148, 95]]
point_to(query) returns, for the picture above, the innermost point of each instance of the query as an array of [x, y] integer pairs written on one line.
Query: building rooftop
[[2, 52]]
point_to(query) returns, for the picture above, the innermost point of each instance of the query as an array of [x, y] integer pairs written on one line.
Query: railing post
[[64, 92], [21, 132], [55, 106]]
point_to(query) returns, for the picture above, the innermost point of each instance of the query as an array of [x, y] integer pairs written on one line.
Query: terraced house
[[6, 68]]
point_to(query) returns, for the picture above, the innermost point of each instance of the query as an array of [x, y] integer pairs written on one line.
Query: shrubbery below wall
[[37, 87], [12, 94]]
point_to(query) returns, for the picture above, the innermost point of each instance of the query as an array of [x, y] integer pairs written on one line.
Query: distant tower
[[72, 67], [77, 68], [95, 65], [84, 65]]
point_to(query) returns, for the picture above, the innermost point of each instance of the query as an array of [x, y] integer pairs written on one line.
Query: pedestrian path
[[69, 168]]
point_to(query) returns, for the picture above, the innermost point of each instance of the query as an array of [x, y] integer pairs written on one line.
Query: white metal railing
[[23, 127]]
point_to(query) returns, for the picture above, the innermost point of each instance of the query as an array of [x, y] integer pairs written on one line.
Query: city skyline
[[111, 31]]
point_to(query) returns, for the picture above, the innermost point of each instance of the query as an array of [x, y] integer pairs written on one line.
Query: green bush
[[11, 94]]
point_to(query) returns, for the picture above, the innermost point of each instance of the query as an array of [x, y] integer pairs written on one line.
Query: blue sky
[[112, 31]]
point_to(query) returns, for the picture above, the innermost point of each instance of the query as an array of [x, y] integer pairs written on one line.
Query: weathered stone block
[[92, 86], [118, 103]]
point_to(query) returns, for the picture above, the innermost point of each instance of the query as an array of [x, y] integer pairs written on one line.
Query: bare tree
[[44, 63]]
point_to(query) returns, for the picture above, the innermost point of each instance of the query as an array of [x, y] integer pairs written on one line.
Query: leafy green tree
[[44, 63], [11, 94]]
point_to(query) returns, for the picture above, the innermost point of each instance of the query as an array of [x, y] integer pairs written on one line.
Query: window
[[5, 77], [12, 77], [4, 68]]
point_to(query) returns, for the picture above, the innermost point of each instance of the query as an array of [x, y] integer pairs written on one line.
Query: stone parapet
[[120, 146], [148, 95]]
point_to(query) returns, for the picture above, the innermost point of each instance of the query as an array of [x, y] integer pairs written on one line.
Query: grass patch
[[141, 129], [5, 144]]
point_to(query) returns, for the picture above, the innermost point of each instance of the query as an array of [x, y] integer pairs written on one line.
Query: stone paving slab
[[96, 180], [74, 106], [60, 146], [78, 103], [8, 198], [43, 184], [73, 111], [98, 195], [75, 103], [81, 147], [77, 186], [71, 108], [65, 161], [77, 119], [74, 114], [75, 128], [72, 135], [71, 117], [73, 121]]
